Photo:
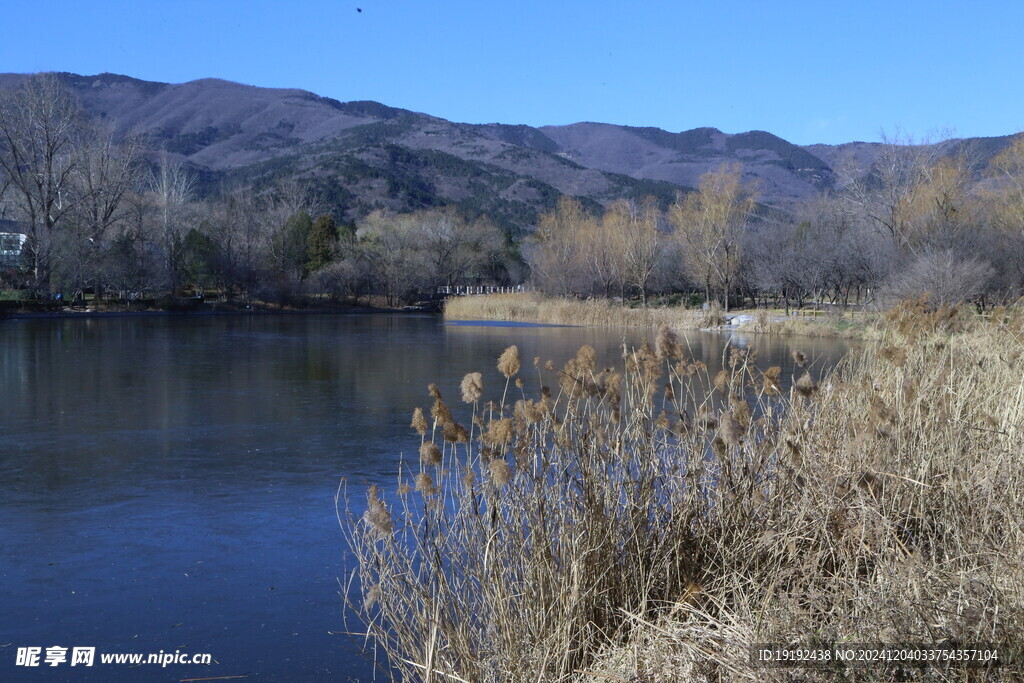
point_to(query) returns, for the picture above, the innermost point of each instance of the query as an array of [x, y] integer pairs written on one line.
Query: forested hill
[[366, 155]]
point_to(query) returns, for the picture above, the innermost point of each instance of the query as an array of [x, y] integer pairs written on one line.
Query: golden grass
[[536, 308], [653, 523], [846, 326], [532, 307]]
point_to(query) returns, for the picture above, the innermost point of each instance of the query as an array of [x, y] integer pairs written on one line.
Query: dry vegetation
[[533, 307], [834, 324], [653, 522]]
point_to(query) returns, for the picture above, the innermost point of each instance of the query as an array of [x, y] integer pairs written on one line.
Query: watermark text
[[58, 655]]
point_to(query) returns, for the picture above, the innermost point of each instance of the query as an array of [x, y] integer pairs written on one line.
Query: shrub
[[944, 276], [713, 316]]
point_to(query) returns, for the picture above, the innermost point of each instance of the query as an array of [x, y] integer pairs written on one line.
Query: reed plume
[[805, 386], [508, 362], [419, 423], [666, 344], [430, 454], [377, 515], [501, 473], [472, 387], [425, 484]]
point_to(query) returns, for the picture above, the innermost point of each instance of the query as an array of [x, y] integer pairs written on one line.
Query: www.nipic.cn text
[[57, 655]]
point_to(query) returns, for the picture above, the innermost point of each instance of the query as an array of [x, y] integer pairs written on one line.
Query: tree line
[[916, 222], [102, 214]]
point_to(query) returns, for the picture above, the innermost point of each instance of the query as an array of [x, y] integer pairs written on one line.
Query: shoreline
[[533, 308], [87, 314]]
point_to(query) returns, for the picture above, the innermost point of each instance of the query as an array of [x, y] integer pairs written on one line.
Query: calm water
[[168, 483]]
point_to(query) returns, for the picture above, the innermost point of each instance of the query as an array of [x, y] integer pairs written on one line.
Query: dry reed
[[535, 308], [531, 307], [615, 530]]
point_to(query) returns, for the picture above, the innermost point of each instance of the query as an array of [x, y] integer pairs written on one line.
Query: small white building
[[11, 244]]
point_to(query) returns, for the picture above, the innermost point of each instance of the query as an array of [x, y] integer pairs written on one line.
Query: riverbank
[[531, 307], [196, 310]]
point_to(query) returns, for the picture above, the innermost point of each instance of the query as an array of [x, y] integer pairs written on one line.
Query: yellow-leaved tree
[[710, 224]]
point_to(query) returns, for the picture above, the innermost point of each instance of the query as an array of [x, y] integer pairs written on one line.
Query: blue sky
[[807, 71]]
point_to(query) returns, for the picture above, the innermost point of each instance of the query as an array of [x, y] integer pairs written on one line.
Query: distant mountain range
[[366, 155]]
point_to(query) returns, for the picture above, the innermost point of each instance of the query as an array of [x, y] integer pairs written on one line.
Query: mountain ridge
[[366, 155]]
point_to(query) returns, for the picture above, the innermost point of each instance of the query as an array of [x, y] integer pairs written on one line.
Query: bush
[[12, 295], [944, 276], [712, 316]]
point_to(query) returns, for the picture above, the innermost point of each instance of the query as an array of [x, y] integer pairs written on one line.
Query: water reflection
[[167, 482]]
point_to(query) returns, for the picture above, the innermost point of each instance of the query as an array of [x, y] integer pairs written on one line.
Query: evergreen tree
[[323, 237], [347, 232], [200, 256]]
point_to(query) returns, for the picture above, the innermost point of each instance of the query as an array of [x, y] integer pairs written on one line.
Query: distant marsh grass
[[537, 308]]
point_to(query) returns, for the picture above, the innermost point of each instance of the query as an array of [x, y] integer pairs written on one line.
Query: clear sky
[[823, 71]]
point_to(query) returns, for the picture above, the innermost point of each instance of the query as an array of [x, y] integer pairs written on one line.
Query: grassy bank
[[839, 325], [532, 307], [187, 306], [537, 308], [652, 522]]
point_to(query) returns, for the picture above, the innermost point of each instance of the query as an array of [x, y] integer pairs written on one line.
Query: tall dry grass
[[653, 523], [536, 308], [835, 325], [532, 307]]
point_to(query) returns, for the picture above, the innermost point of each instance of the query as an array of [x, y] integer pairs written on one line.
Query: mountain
[[365, 155], [783, 170]]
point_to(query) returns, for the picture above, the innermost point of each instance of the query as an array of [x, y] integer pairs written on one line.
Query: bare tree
[[232, 223], [943, 276], [456, 249], [171, 187], [555, 253], [481, 247], [885, 193], [600, 253], [637, 240], [393, 246], [711, 224], [1004, 212], [944, 213], [5, 183], [1008, 199], [105, 171], [38, 125]]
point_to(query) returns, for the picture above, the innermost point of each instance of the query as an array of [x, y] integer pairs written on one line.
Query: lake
[[167, 483]]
